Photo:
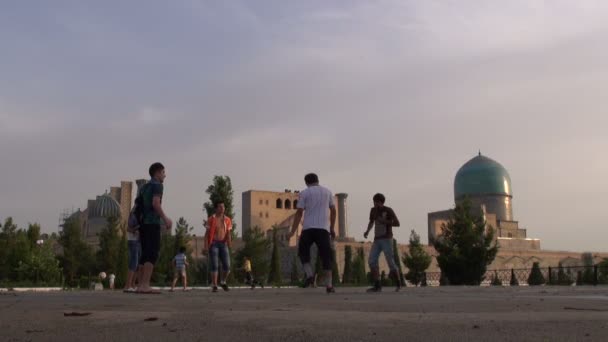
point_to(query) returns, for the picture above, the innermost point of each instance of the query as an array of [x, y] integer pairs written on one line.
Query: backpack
[[136, 216]]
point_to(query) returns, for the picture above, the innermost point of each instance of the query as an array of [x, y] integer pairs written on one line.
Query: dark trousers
[[149, 237], [321, 238]]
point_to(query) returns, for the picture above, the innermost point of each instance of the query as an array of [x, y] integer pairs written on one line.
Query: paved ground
[[416, 314]]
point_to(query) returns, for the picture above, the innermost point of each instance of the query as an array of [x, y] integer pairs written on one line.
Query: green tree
[[77, 258], [360, 276], [466, 247], [109, 246], [163, 269], [514, 281], [397, 258], [417, 260], [275, 276], [221, 191], [122, 265], [33, 234], [588, 274], [8, 235], [41, 266], [256, 247], [335, 272], [347, 276], [563, 278], [603, 271], [294, 275], [496, 280], [536, 276]]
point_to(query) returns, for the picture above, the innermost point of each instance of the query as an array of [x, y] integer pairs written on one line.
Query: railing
[[561, 275]]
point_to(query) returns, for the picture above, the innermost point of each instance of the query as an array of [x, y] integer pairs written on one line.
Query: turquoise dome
[[482, 176], [105, 206]]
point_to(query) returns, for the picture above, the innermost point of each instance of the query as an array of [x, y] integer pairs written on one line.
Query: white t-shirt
[[316, 201], [112, 277]]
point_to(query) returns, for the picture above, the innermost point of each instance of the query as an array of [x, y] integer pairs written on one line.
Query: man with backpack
[[150, 217]]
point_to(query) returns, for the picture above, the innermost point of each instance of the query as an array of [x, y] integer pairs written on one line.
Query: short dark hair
[[182, 249], [217, 204], [311, 178], [379, 198], [154, 168]]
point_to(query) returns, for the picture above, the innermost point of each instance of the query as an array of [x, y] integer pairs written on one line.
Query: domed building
[[117, 203], [487, 185]]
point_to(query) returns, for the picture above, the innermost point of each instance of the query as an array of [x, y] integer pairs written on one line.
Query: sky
[[375, 96]]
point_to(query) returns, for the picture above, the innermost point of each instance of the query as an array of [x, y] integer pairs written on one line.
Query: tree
[[275, 276], [536, 276], [417, 261], [496, 280], [122, 266], [466, 246], [33, 234], [221, 191], [563, 278], [588, 274], [359, 276], [514, 281], [77, 258], [603, 271], [335, 272], [8, 235], [398, 261], [347, 276], [109, 246], [294, 274], [41, 266], [256, 247]]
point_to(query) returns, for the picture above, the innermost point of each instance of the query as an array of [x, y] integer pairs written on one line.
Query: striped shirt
[[316, 201], [180, 261]]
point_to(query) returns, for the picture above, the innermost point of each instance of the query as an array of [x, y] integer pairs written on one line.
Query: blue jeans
[[219, 252], [134, 254], [379, 246]]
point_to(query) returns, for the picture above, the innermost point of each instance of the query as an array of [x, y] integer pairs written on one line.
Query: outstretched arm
[[296, 222]]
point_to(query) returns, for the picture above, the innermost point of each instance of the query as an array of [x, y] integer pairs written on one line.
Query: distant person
[[249, 279], [149, 233], [134, 248], [316, 204], [112, 279], [218, 241], [383, 219], [180, 263]]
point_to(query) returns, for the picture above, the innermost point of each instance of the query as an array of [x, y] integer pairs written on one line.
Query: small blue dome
[[105, 206], [482, 176]]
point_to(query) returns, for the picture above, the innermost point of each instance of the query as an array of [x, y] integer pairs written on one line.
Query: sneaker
[[308, 282], [214, 289], [330, 290], [374, 289], [225, 287]]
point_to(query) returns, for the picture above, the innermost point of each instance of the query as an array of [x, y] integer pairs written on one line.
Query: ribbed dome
[[105, 206], [482, 176]]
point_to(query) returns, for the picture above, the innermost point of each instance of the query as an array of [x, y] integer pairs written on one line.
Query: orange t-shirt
[[213, 223]]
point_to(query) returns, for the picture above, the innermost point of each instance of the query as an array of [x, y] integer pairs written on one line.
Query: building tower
[[342, 215]]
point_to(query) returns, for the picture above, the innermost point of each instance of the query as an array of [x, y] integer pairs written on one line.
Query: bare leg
[[328, 278], [130, 280], [174, 283], [185, 281], [148, 268], [225, 276], [214, 278]]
